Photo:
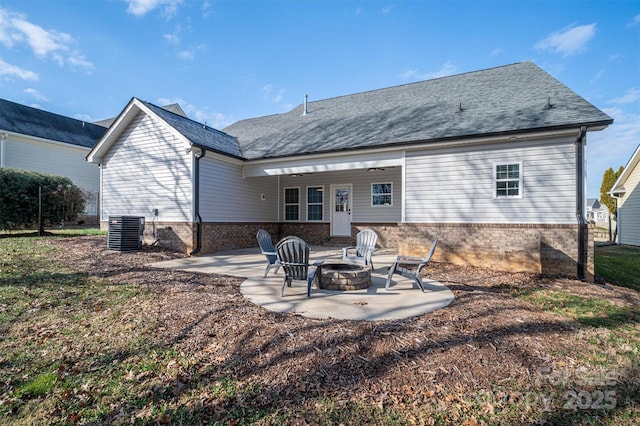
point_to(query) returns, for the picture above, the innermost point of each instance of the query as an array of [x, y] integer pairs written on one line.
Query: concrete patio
[[403, 299]]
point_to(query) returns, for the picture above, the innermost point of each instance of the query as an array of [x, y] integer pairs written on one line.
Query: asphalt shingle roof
[[511, 98], [198, 133], [25, 120]]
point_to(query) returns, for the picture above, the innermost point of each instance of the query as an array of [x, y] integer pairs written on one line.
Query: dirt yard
[[487, 342]]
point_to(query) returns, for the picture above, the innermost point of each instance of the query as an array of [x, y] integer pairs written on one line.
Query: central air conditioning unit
[[125, 233]]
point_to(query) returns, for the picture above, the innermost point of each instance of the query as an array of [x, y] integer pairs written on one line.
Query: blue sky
[[228, 60]]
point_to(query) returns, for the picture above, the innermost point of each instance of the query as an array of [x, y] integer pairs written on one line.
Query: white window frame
[[496, 180], [284, 198], [320, 189], [390, 194]]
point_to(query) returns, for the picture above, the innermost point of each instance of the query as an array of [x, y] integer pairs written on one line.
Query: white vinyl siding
[[147, 168], [457, 185], [226, 196], [629, 210], [52, 158], [361, 179]]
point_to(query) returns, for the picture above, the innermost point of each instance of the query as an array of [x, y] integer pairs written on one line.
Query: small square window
[[508, 180], [381, 194]]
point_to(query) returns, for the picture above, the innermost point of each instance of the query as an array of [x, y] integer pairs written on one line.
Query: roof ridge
[[415, 83], [204, 125]]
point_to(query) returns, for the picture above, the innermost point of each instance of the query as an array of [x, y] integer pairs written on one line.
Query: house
[[470, 158], [627, 192], [597, 213], [37, 140]]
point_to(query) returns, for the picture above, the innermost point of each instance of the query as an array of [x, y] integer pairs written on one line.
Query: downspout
[[196, 201], [3, 138], [580, 201]]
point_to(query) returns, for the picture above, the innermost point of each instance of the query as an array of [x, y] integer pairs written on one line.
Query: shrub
[[20, 195]]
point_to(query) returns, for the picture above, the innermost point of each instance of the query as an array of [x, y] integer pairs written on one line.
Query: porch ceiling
[[313, 164]]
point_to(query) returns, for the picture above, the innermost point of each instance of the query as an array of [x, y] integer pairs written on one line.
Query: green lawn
[[618, 264]]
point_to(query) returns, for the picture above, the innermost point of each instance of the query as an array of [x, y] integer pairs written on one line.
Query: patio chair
[[266, 246], [293, 253], [365, 246], [417, 264]]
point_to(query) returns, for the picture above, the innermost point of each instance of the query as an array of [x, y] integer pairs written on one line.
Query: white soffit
[[333, 163]]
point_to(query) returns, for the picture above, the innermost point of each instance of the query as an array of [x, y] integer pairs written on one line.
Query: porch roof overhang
[[324, 163]]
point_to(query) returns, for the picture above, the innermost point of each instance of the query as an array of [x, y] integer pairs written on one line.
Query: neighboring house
[[37, 140], [597, 213], [493, 162], [627, 191]]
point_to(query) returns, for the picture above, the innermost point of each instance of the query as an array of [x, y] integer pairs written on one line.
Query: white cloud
[[216, 120], [36, 94], [53, 44], [186, 54], [12, 70], [636, 21], [269, 93], [598, 75], [142, 7], [79, 61], [172, 39], [496, 51], [568, 42], [84, 117], [206, 9], [387, 10], [632, 95], [447, 69], [43, 42]]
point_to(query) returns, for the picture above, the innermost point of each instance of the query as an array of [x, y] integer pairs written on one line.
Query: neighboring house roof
[[618, 186], [171, 107], [25, 120], [508, 99], [593, 203]]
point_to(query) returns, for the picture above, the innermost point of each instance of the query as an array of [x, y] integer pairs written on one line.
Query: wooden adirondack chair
[[267, 248], [365, 246], [293, 253], [401, 263]]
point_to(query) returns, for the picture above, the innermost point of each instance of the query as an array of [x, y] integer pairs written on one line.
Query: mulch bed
[[485, 338]]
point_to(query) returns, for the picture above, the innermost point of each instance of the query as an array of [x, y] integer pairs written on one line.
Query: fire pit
[[344, 276]]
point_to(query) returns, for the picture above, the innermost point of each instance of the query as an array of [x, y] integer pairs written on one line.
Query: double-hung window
[[381, 194], [507, 180], [292, 204], [314, 202]]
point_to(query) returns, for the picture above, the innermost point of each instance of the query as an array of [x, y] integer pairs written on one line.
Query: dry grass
[[92, 336]]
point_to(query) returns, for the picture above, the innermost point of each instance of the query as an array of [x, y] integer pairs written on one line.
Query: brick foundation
[[538, 248], [544, 249]]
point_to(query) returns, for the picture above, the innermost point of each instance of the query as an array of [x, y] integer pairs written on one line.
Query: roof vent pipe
[[305, 111]]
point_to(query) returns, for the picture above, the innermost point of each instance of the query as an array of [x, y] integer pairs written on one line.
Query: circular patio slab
[[403, 300]]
